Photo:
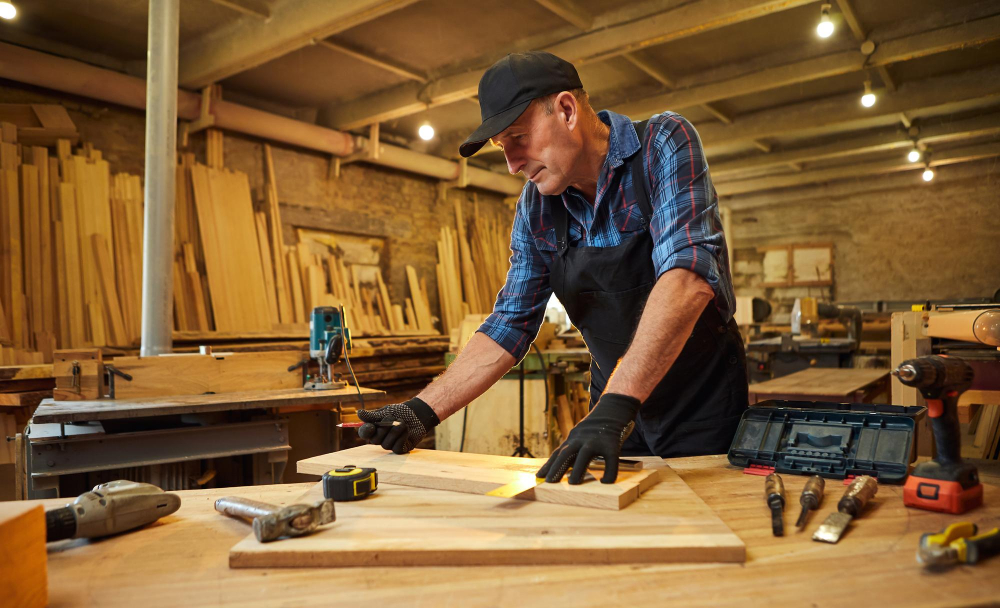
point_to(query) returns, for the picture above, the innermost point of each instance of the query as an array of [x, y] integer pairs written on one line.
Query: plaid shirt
[[685, 227]]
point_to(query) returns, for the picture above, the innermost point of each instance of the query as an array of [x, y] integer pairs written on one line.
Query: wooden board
[[408, 526], [114, 409], [23, 574], [492, 423], [820, 381], [479, 474]]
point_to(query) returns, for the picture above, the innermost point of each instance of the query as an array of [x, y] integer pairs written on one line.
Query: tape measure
[[349, 483]]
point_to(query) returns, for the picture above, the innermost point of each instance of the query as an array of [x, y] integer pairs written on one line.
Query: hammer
[[271, 522]]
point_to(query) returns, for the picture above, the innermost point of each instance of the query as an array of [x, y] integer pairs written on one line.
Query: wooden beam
[[842, 112], [958, 155], [652, 70], [251, 41], [762, 146], [569, 11], [252, 8], [716, 112], [384, 64], [607, 40], [852, 20], [697, 90], [883, 73], [979, 126]]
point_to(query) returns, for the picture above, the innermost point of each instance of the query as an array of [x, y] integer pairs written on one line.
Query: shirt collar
[[622, 142]]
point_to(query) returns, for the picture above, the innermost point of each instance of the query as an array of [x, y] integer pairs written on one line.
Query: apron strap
[[560, 217], [636, 163]]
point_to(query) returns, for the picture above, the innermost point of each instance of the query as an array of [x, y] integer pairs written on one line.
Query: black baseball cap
[[510, 84]]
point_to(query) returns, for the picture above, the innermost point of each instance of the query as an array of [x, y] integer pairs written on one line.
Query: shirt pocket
[[545, 240], [628, 219]]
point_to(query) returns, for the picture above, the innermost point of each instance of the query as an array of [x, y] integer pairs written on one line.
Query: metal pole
[[161, 162]]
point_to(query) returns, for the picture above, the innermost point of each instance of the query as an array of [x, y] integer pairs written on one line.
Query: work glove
[[416, 418], [601, 433]]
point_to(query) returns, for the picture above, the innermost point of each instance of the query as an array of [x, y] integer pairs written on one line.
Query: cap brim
[[491, 127]]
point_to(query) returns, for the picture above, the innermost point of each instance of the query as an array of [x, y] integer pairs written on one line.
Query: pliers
[[958, 544]]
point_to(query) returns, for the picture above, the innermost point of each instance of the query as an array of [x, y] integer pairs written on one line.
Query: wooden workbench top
[[821, 381], [116, 409], [183, 561]]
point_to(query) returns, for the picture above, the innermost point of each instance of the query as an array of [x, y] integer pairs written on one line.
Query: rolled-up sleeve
[[686, 226], [520, 305]]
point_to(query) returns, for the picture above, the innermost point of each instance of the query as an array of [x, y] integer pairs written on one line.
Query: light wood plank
[[23, 561]]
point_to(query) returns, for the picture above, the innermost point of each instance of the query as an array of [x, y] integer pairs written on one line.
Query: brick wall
[[895, 237], [366, 200]]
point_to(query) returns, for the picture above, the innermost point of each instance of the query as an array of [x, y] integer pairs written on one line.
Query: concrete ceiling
[[733, 67]]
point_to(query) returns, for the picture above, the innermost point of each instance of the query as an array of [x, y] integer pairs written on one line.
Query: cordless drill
[[946, 483]]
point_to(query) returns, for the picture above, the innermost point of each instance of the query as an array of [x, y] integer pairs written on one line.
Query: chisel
[[774, 494], [855, 498], [812, 496]]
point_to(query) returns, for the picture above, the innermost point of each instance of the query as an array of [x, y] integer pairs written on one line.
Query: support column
[[161, 163]]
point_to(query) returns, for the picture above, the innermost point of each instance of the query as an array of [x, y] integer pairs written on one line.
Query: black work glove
[[416, 418], [601, 433]]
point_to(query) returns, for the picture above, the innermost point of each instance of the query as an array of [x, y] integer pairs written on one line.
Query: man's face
[[542, 146]]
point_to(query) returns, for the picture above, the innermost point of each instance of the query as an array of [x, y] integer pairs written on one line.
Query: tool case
[[833, 440]]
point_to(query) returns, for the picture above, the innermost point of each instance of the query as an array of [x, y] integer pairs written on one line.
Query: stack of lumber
[[985, 430], [69, 250], [472, 265]]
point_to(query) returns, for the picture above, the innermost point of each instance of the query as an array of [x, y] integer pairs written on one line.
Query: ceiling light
[[825, 27], [426, 132], [868, 99], [928, 174], [913, 156], [7, 10]]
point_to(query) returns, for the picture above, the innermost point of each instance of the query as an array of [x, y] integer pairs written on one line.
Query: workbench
[[74, 437], [183, 561], [834, 384]]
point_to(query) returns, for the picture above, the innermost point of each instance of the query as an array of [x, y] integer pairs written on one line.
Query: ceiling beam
[[978, 126], [606, 40], [253, 8], [957, 155], [843, 112], [650, 69], [693, 91], [850, 189], [250, 41], [852, 20], [17, 36], [569, 11], [384, 64]]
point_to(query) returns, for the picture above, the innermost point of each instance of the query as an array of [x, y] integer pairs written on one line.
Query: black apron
[[697, 406]]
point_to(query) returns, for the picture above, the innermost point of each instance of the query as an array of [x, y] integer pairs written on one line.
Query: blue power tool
[[329, 340]]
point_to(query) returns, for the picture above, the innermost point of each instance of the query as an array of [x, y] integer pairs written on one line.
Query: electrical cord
[[347, 359]]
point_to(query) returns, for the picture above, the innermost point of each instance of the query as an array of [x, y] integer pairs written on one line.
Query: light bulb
[[825, 27], [7, 10], [913, 156], [928, 174], [868, 99], [426, 132]]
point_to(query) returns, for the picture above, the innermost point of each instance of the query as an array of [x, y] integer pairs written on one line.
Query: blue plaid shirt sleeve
[[686, 226], [520, 305]]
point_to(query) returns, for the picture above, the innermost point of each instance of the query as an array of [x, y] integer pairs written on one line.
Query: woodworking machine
[[329, 340]]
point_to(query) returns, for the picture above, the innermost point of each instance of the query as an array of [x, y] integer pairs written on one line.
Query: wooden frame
[[790, 273]]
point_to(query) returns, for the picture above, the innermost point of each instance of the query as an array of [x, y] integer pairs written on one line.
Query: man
[[627, 235]]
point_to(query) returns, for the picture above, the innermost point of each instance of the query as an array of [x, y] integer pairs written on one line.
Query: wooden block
[[410, 526], [198, 374], [23, 558], [479, 474], [90, 384]]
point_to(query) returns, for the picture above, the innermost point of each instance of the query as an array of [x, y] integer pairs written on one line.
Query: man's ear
[[567, 109]]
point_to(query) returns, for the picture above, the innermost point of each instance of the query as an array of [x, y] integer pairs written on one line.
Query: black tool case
[[833, 440]]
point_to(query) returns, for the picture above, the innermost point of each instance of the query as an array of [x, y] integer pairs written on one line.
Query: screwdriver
[[774, 494], [812, 496]]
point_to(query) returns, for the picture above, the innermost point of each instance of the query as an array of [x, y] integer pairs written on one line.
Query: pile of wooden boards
[[984, 427], [472, 265], [70, 236], [234, 272]]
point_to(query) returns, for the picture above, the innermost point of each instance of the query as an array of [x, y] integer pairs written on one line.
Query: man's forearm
[[478, 367], [672, 309]]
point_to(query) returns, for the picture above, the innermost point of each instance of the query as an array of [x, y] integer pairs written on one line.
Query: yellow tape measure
[[349, 483]]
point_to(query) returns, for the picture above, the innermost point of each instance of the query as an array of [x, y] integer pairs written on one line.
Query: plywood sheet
[[408, 526], [480, 473]]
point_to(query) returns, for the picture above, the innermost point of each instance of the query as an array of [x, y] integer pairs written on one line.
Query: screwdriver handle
[[812, 493], [857, 495], [774, 490]]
